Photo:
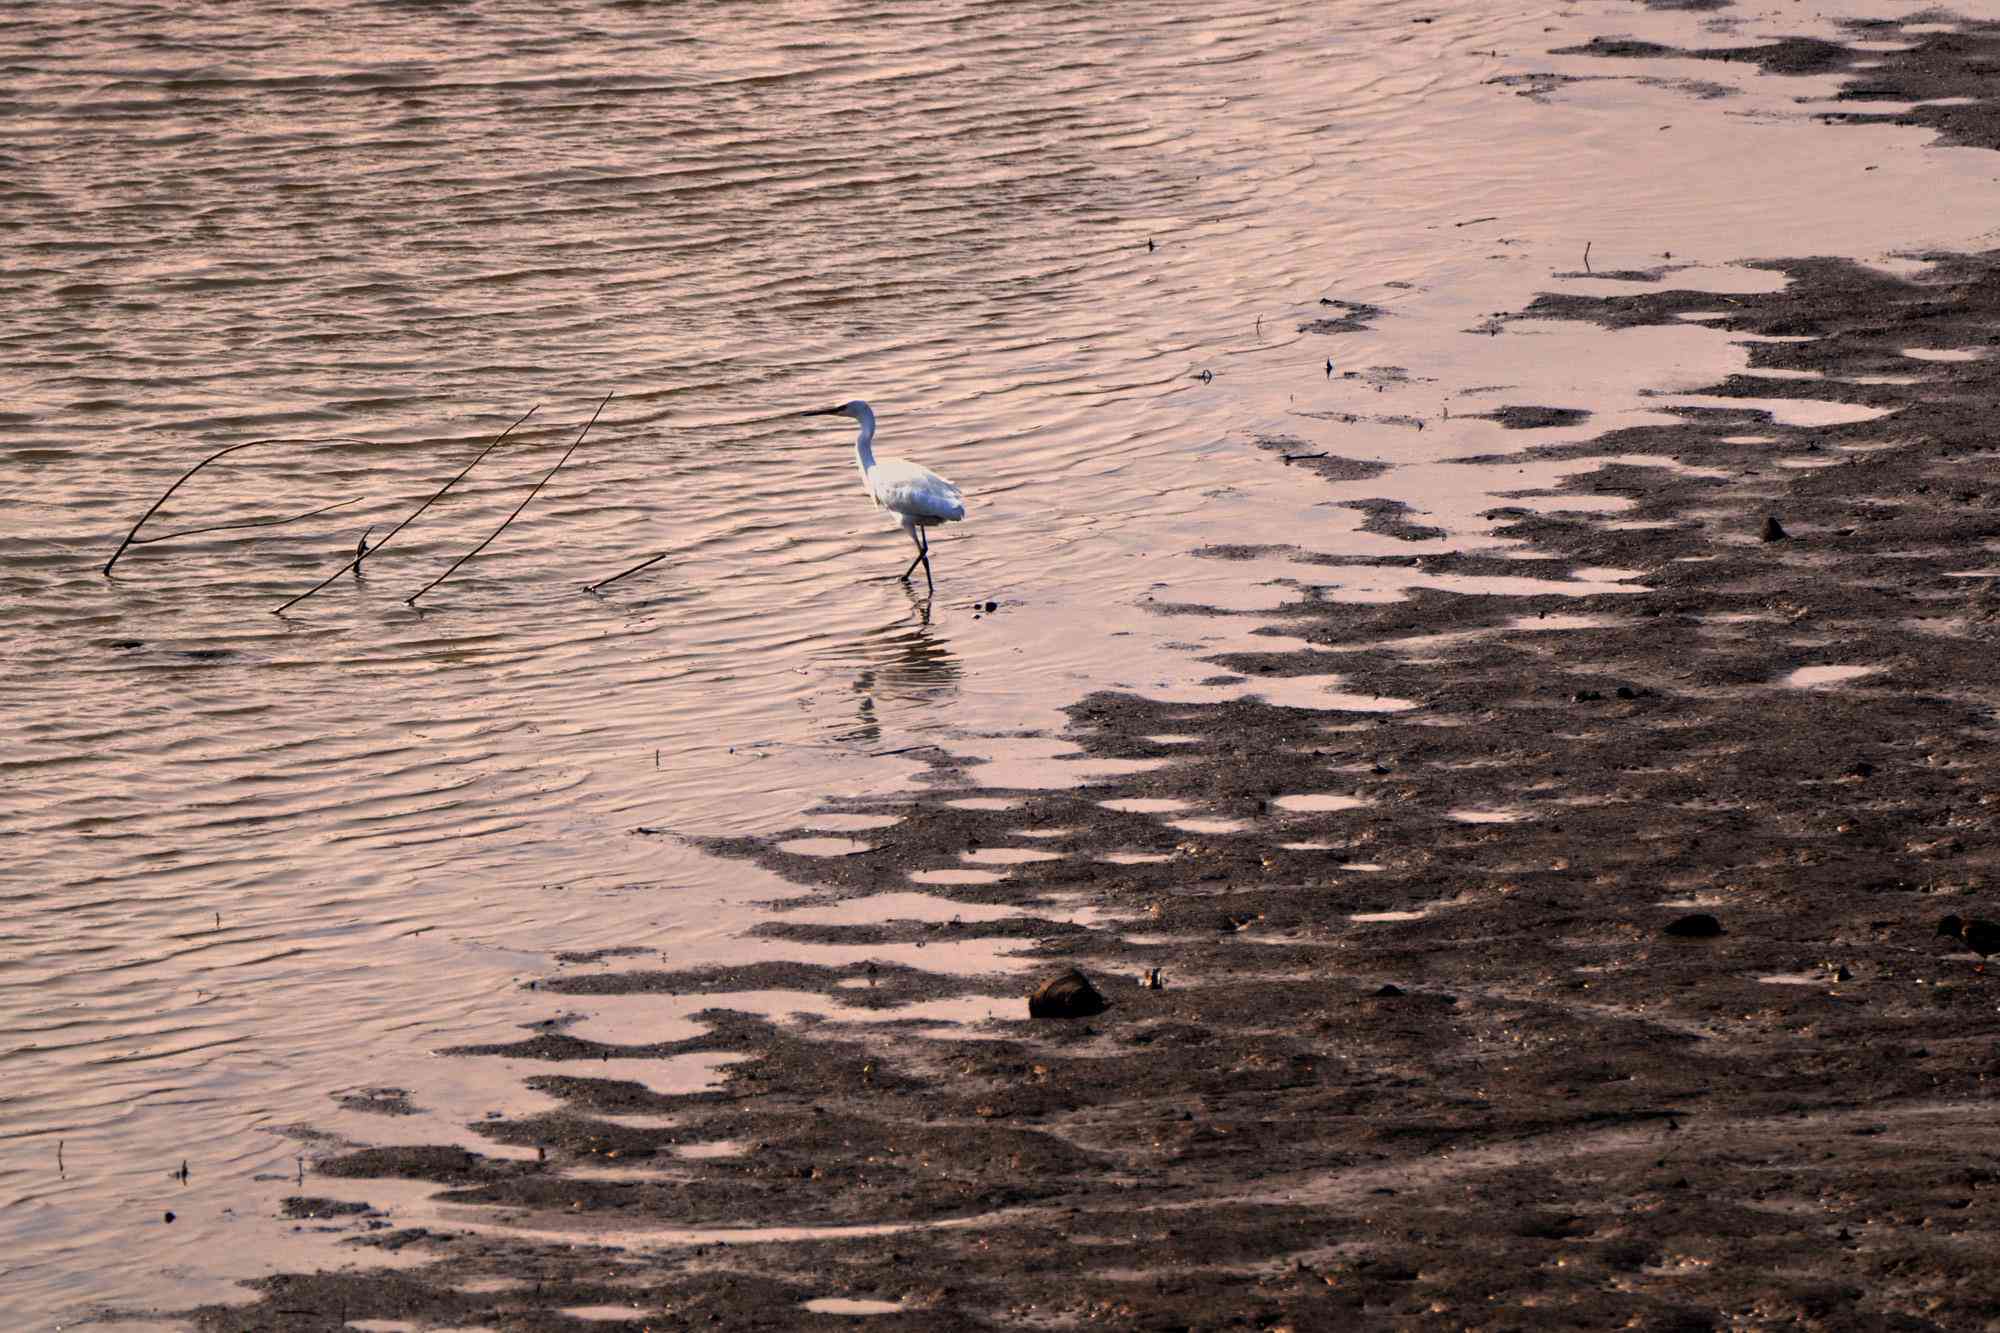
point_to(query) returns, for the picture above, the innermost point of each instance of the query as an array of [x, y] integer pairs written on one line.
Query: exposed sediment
[[1418, 1048]]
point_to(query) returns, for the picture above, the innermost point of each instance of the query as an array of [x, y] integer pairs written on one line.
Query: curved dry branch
[[411, 600], [248, 523], [220, 453], [412, 518], [643, 564]]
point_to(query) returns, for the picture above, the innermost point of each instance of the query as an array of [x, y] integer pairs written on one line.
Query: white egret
[[919, 497]]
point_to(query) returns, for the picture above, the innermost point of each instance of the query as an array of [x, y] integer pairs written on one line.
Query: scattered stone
[[1774, 531], [1389, 990], [1693, 926], [1068, 996]]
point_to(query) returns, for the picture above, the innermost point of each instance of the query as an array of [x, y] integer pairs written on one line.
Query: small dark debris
[[1774, 531]]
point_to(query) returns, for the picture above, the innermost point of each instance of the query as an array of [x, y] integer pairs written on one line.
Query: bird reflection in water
[[904, 663]]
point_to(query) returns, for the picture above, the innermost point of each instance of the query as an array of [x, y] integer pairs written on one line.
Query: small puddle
[[1363, 865], [1209, 825], [1136, 858], [1387, 916], [717, 1148], [825, 846], [1817, 677], [896, 907], [1797, 979], [1942, 353], [1310, 802], [1009, 856], [850, 1305], [1041, 832], [621, 1312], [1471, 816], [984, 803], [1552, 622]]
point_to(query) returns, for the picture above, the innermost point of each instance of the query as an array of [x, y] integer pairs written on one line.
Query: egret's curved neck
[[864, 446]]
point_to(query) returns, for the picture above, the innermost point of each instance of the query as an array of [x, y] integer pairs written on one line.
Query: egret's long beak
[[822, 412]]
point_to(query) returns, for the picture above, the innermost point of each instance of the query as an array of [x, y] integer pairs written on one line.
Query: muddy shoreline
[[1422, 1052]]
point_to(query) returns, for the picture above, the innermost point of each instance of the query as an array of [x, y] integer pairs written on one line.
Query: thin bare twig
[[187, 475], [411, 600], [1586, 256], [413, 517], [248, 523], [643, 564]]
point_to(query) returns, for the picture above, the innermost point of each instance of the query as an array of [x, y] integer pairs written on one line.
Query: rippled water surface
[[251, 861]]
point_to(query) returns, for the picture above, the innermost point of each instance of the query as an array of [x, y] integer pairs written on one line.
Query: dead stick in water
[[1586, 256], [643, 564], [130, 537], [248, 523], [413, 517], [411, 600]]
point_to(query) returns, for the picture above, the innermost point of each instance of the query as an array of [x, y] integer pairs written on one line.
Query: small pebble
[[170, 1217]]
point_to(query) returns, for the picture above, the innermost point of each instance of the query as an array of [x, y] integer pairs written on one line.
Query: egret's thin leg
[[920, 555], [924, 549]]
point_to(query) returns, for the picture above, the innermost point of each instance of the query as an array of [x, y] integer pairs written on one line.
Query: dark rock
[[1068, 996], [1774, 531], [1389, 991], [1693, 926], [1979, 935]]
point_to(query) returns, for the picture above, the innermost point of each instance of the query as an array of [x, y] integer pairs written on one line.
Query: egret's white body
[[917, 496]]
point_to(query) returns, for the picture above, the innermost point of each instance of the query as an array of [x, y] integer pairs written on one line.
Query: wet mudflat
[[1424, 1056]]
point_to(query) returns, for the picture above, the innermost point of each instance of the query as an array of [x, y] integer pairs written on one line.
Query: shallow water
[[243, 856]]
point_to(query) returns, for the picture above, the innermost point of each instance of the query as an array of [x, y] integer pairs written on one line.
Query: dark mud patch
[[1789, 55], [602, 955], [1390, 518], [1953, 67], [1534, 418], [1330, 466], [1343, 317], [377, 1101], [299, 1207]]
